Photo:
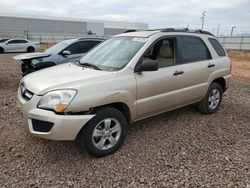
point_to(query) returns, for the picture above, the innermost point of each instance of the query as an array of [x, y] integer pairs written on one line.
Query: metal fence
[[235, 42], [55, 38], [228, 42]]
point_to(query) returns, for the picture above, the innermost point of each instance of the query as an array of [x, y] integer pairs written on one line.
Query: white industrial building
[[57, 28]]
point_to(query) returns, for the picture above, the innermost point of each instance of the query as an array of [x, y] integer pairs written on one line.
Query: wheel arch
[[122, 107], [222, 83], [1, 49]]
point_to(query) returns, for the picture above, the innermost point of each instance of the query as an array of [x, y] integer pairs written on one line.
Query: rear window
[[217, 47], [194, 49]]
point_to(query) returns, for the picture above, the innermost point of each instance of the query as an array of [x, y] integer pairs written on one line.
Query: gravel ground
[[182, 148]]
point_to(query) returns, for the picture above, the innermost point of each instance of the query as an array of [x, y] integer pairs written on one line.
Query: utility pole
[[218, 29], [213, 31], [203, 19], [232, 30]]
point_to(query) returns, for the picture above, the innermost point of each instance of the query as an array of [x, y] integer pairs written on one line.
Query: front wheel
[[105, 133], [211, 102]]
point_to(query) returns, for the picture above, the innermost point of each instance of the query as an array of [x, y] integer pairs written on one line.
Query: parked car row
[[18, 45], [63, 52], [126, 78]]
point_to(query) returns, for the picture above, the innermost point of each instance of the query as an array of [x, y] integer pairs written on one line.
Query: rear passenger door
[[196, 63], [22, 45]]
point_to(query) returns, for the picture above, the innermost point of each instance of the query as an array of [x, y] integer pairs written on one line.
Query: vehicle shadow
[[135, 132]]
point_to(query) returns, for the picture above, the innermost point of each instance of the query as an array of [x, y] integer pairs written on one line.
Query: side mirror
[[147, 65], [6, 43], [66, 52]]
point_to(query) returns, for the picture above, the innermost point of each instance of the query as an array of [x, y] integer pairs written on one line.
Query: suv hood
[[65, 76], [31, 56]]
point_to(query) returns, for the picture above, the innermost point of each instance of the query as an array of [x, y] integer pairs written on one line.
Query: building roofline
[[67, 19]]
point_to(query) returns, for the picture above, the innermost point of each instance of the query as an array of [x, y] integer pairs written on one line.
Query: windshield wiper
[[90, 65]]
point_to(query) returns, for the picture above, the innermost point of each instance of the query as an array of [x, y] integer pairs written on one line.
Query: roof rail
[[186, 30], [129, 31], [91, 38]]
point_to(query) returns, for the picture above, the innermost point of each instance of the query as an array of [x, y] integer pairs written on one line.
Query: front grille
[[26, 94], [41, 126]]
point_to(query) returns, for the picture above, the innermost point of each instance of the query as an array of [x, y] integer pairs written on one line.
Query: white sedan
[[19, 45]]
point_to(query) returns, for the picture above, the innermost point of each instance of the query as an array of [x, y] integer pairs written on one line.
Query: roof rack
[[175, 30], [186, 30]]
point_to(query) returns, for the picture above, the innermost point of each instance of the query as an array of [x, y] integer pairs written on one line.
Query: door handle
[[176, 73], [211, 65]]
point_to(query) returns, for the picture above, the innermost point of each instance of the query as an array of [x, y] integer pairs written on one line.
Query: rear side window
[[217, 47], [194, 49], [22, 41]]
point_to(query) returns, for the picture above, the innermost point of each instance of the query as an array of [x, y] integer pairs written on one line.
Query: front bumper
[[65, 127]]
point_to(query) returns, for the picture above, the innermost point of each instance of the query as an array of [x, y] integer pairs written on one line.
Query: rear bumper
[[64, 127], [227, 81]]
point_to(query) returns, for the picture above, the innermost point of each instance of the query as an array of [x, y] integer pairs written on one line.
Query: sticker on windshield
[[140, 39]]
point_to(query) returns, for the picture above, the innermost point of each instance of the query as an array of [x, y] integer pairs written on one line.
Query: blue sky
[[157, 13]]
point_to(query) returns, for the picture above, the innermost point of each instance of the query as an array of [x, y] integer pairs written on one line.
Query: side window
[[92, 44], [17, 41], [217, 47], [194, 49], [75, 48], [164, 52], [22, 41], [13, 42], [81, 47]]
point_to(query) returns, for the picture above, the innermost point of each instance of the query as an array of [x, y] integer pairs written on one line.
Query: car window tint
[[17, 41], [217, 47], [81, 47], [164, 52], [13, 42], [92, 44], [22, 41], [194, 49]]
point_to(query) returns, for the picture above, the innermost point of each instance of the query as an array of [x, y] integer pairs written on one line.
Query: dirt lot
[[240, 65], [182, 148]]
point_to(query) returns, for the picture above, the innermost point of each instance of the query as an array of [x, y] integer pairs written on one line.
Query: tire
[[104, 133], [30, 49], [211, 102], [1, 50]]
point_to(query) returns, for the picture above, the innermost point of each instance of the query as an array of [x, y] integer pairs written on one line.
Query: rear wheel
[[211, 102], [105, 133], [30, 49], [1, 50]]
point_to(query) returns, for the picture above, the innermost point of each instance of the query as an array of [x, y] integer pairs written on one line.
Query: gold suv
[[126, 78]]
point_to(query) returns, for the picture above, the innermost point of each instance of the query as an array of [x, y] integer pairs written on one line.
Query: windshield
[[58, 47], [3, 40], [114, 54]]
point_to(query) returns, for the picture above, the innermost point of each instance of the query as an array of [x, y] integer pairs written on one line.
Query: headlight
[[57, 100]]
